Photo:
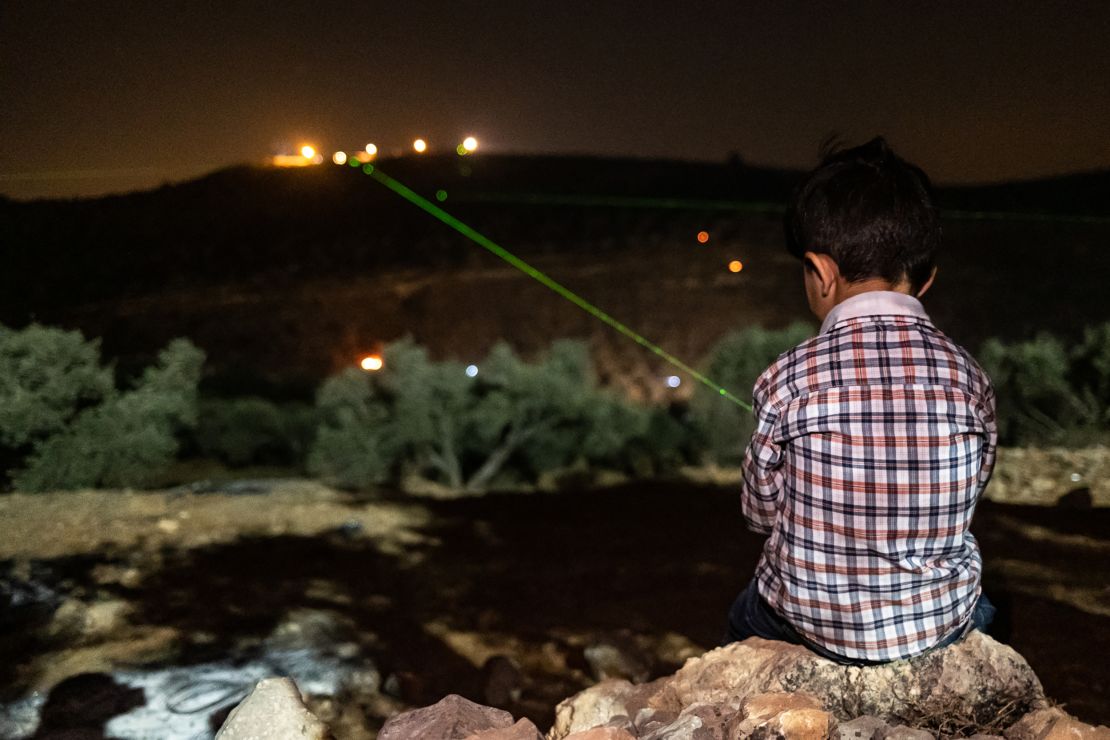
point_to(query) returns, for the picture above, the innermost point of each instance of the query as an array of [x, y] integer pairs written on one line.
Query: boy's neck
[[845, 290]]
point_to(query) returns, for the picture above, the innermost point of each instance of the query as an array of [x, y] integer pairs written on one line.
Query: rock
[[83, 622], [522, 730], [274, 709], [792, 716], [902, 732], [617, 658], [698, 722], [861, 728], [452, 718], [502, 679], [602, 733], [1054, 724], [974, 684]]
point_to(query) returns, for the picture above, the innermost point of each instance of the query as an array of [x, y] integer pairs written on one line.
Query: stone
[[698, 722], [451, 718], [602, 733], [968, 685], [1054, 724], [522, 730], [273, 710], [902, 732], [502, 680], [861, 728], [617, 658], [793, 716]]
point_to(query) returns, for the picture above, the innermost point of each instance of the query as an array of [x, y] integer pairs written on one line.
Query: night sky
[[109, 96]]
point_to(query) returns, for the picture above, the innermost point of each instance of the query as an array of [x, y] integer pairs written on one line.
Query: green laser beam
[[488, 244]]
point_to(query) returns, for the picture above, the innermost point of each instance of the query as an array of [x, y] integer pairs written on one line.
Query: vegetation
[[64, 423], [68, 424]]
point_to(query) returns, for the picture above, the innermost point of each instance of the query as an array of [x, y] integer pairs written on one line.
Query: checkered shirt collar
[[874, 303]]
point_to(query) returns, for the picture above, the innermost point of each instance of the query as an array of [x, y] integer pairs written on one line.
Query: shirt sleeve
[[762, 483], [990, 443]]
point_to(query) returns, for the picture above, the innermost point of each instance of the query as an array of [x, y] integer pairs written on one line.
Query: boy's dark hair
[[869, 210]]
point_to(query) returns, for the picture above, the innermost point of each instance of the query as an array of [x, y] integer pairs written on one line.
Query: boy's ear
[[824, 269], [928, 283]]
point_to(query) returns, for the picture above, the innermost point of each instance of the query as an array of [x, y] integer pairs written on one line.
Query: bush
[[254, 431], [513, 420], [736, 362], [127, 439], [47, 376]]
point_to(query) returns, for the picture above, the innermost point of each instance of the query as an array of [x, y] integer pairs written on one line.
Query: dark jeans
[[751, 616]]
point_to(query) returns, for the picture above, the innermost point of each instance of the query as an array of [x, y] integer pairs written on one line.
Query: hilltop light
[[371, 363], [703, 237], [673, 381], [308, 152], [339, 157], [735, 266], [470, 144], [371, 149], [471, 371], [420, 146]]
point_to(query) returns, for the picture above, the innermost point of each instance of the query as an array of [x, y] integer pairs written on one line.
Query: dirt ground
[[436, 588]]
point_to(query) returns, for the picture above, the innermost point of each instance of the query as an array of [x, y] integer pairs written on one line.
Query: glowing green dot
[[722, 391], [461, 150], [368, 168], [353, 162], [441, 195]]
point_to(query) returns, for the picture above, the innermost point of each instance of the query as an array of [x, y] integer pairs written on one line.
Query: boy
[[874, 439]]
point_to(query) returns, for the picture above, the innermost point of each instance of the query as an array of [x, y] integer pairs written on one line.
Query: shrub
[[47, 376], [127, 439], [736, 362], [250, 430], [353, 447]]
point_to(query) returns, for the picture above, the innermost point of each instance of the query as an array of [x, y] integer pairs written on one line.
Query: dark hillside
[[291, 273]]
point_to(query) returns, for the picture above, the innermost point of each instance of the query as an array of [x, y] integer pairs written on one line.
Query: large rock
[[1054, 724], [273, 711], [974, 683]]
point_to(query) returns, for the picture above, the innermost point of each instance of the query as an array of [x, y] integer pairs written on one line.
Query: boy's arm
[[990, 444], [762, 482]]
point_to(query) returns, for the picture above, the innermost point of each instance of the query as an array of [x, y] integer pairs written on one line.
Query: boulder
[[974, 684], [274, 710], [522, 730], [451, 718]]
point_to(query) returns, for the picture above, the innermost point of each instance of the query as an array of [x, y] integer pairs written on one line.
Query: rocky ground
[[134, 611]]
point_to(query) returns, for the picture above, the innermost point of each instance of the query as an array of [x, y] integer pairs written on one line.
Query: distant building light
[[735, 266], [673, 381], [420, 146], [470, 144], [339, 157], [471, 371], [371, 363], [703, 237], [308, 152], [372, 149]]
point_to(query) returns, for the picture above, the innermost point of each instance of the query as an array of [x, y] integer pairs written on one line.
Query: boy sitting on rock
[[874, 439]]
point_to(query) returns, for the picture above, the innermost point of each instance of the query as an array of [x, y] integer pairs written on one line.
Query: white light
[[371, 149], [308, 152], [1076, 477], [470, 144], [673, 381], [471, 371], [339, 157], [420, 146]]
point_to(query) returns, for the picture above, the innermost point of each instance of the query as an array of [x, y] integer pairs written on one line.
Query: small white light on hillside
[[1076, 477], [339, 157], [471, 371], [673, 381]]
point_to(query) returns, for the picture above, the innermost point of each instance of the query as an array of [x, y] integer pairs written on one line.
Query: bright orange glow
[[371, 149], [470, 144], [420, 146], [735, 266], [703, 237], [289, 160], [308, 152], [339, 157], [371, 363]]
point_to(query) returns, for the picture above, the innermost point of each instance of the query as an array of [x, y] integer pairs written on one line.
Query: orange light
[[371, 363], [470, 144], [420, 146], [735, 266], [703, 237], [308, 152]]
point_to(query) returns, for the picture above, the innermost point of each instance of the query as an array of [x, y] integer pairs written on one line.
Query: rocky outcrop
[[975, 683], [456, 718]]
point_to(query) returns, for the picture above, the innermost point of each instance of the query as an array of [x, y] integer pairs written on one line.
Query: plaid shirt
[[874, 440]]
